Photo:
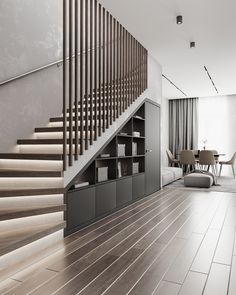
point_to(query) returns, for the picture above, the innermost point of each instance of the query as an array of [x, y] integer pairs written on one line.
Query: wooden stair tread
[[52, 129], [22, 156], [42, 141], [31, 192], [60, 119], [31, 173], [12, 240], [19, 212]]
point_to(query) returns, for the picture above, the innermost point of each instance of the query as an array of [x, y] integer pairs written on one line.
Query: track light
[[192, 44], [179, 20]]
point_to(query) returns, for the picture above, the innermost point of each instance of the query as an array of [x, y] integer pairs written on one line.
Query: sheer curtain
[[183, 124]]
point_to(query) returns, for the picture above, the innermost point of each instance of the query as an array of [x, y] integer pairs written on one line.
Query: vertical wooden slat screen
[[70, 82], [126, 70], [114, 70], [106, 86], [81, 129], [129, 68], [86, 73], [121, 70], [111, 71], [117, 68], [100, 67], [123, 67], [105, 73], [104, 69], [76, 80], [95, 72], [64, 84], [91, 117]]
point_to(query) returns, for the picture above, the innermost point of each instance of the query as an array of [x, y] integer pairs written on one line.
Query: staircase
[[32, 179]]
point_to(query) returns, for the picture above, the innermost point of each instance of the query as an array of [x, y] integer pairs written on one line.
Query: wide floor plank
[[217, 282], [232, 282], [182, 264], [167, 288], [193, 284], [203, 259], [224, 250]]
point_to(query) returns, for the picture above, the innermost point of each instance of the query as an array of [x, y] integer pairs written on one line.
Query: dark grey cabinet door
[[138, 186], [105, 198], [123, 191], [152, 159], [80, 207]]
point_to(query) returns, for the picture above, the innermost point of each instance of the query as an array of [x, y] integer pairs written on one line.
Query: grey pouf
[[198, 180]]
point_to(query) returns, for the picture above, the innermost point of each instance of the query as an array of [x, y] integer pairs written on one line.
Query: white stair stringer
[[72, 171]]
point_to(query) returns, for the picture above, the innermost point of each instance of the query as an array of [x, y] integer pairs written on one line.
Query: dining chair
[[171, 159], [215, 152], [187, 159], [230, 162], [206, 158]]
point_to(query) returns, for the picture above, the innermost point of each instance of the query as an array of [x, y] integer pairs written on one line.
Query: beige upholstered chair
[[206, 158], [215, 152], [171, 159], [187, 159], [230, 162]]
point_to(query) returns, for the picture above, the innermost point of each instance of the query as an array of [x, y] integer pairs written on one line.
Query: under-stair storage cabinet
[[126, 169]]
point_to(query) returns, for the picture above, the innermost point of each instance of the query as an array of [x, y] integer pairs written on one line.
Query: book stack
[[136, 133]]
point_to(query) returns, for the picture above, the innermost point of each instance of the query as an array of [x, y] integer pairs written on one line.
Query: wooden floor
[[173, 242]]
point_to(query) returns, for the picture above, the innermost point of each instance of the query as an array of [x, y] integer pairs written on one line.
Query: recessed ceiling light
[[192, 44], [179, 19]]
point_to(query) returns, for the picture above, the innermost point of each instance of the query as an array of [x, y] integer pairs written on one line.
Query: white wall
[[154, 80], [217, 124]]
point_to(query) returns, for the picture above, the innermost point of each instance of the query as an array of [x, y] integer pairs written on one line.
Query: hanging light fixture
[[179, 20]]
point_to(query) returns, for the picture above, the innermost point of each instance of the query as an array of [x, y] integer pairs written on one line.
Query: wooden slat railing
[[106, 71]]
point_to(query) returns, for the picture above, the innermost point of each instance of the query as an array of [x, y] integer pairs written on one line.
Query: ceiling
[[210, 23]]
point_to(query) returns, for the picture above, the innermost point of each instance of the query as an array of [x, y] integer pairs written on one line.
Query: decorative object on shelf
[[102, 174], [138, 117], [105, 155], [121, 150], [135, 167], [124, 169], [136, 133], [119, 169], [82, 184], [134, 148], [123, 133]]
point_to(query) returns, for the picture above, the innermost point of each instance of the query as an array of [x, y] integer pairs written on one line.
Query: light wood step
[[24, 173], [19, 156], [31, 192], [29, 210], [10, 241]]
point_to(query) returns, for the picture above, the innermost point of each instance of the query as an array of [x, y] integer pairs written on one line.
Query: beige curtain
[[183, 124]]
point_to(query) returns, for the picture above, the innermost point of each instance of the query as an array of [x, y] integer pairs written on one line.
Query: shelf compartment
[[127, 141], [126, 129], [141, 165], [138, 147], [109, 149], [111, 169], [88, 176], [138, 126], [124, 167]]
